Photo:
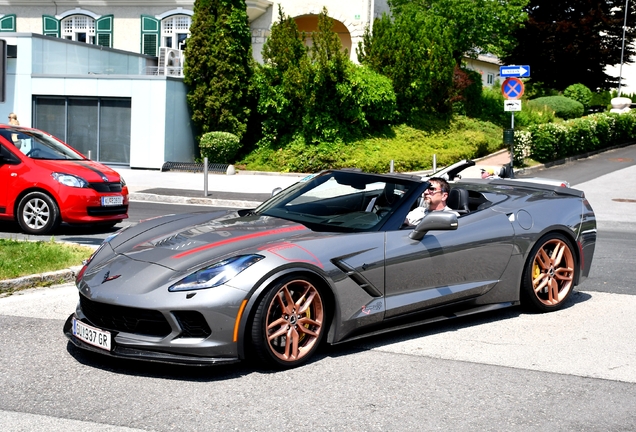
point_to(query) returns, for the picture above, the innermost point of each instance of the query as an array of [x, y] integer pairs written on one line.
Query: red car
[[44, 182]]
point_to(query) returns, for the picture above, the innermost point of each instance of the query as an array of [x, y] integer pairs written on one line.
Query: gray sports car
[[328, 259]]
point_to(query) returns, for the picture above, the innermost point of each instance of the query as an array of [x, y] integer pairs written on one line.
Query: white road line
[[591, 338], [18, 421]]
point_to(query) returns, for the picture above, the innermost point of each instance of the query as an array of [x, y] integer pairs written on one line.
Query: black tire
[[289, 323], [549, 275], [38, 213]]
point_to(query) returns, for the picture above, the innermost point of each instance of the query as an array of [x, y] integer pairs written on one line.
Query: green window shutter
[[150, 27], [50, 26], [7, 23], [104, 31]]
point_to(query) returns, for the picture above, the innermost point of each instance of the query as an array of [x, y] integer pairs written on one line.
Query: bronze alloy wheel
[[549, 276], [288, 325]]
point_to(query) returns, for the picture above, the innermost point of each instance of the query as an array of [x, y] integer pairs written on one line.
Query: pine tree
[[218, 66]]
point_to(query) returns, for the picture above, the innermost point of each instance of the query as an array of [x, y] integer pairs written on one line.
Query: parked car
[[327, 259], [46, 182]]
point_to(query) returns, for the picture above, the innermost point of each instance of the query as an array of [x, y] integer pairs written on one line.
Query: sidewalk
[[245, 189]]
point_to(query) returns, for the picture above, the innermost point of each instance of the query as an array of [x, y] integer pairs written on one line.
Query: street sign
[[514, 71], [512, 88], [512, 105]]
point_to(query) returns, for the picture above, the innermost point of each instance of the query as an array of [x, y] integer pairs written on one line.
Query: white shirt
[[416, 215]]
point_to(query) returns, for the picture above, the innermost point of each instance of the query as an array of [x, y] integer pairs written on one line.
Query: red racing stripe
[[241, 238]]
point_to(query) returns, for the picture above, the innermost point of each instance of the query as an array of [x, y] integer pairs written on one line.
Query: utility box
[[509, 136]]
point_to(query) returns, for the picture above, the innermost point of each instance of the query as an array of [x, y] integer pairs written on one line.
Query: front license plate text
[[91, 335], [112, 201]]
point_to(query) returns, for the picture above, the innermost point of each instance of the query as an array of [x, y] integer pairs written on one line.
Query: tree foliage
[[475, 25], [317, 94], [572, 41], [218, 66], [415, 51]]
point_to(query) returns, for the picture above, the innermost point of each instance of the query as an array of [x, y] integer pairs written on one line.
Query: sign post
[[512, 90]]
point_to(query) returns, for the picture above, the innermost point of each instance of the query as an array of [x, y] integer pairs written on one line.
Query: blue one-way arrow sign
[[514, 71]]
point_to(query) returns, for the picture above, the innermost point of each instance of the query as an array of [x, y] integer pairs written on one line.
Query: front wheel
[[289, 323], [38, 213], [548, 278]]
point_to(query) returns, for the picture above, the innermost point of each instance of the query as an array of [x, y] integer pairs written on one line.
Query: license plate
[[112, 201], [91, 335]]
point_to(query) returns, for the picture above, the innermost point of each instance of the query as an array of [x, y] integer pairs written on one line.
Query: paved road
[[573, 370]]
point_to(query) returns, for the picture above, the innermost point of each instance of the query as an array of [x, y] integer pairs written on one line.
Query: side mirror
[[276, 191], [439, 220]]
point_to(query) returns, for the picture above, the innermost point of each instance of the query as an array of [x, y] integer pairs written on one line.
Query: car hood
[[89, 170], [189, 241]]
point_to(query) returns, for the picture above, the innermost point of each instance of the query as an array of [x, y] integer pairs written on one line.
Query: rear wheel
[[548, 278], [38, 213], [289, 323]]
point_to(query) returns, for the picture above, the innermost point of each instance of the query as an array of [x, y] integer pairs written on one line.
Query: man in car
[[434, 199]]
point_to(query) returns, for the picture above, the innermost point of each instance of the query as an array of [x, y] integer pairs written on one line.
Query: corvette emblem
[[108, 277]]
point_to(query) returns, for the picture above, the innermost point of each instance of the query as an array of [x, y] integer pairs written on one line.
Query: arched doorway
[[309, 24]]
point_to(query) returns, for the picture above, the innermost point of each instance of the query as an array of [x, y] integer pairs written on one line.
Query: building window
[[97, 125], [175, 30], [490, 79], [80, 28]]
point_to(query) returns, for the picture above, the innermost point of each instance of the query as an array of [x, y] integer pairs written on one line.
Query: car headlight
[[216, 274], [70, 180]]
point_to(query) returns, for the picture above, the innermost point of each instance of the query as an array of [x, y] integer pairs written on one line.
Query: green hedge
[[552, 141], [562, 106], [219, 147]]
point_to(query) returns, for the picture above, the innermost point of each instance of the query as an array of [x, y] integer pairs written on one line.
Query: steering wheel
[[33, 152]]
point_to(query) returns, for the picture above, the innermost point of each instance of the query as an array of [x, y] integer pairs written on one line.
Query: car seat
[[458, 200]]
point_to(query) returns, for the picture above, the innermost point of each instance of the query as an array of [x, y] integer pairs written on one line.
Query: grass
[[21, 258]]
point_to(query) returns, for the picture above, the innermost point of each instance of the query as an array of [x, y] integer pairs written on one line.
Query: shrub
[[562, 106], [219, 147], [551, 141], [466, 92], [532, 114], [579, 93], [548, 140], [491, 107], [373, 96], [600, 101]]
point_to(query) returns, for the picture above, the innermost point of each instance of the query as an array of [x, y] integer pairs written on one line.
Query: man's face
[[434, 197]]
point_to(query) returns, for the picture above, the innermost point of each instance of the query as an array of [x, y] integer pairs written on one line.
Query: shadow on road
[[247, 367]]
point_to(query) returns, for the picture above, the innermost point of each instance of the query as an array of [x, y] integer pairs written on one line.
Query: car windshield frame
[[342, 201], [37, 145]]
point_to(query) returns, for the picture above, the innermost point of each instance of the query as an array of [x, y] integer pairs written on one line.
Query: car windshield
[[340, 201], [37, 145]]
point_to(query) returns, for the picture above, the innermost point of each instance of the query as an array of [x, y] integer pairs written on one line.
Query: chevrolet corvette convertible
[[328, 259]]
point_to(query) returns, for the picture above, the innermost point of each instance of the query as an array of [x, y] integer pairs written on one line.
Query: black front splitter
[[119, 351]]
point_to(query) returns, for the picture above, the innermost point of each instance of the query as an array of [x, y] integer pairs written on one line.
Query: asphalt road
[[573, 370]]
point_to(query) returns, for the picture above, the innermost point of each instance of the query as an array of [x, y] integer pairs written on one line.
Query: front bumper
[[120, 351]]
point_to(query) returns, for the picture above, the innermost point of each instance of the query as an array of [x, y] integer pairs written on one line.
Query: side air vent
[[355, 276]]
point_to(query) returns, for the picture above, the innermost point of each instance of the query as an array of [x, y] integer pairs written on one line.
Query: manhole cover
[[628, 200], [621, 159]]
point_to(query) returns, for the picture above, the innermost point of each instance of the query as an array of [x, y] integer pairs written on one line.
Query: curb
[[43, 279], [137, 196]]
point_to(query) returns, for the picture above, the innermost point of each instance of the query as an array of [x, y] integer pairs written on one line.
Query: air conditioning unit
[[170, 61]]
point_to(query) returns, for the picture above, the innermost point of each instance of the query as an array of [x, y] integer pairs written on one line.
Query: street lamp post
[[620, 72]]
